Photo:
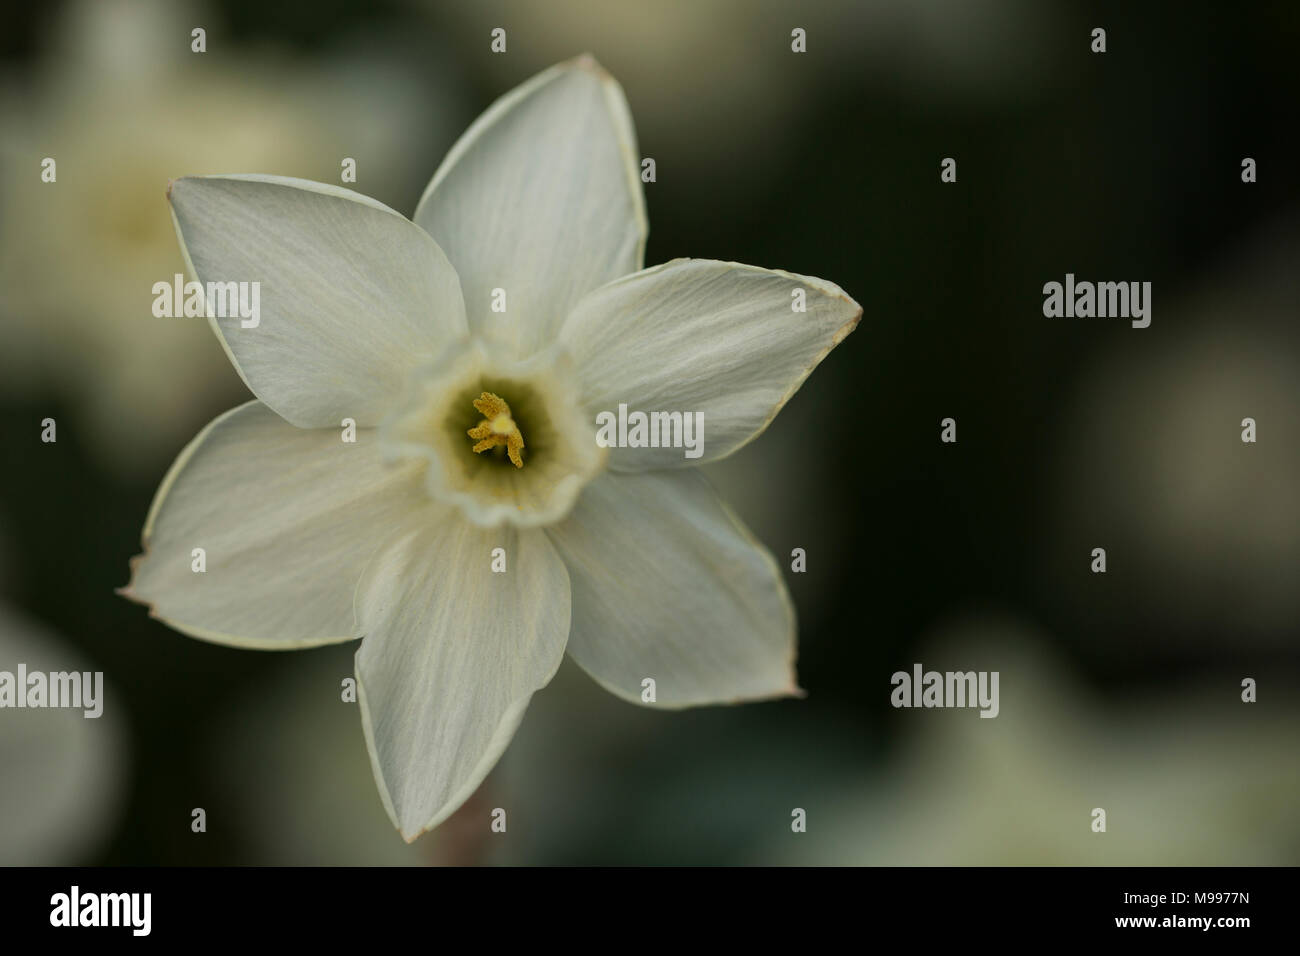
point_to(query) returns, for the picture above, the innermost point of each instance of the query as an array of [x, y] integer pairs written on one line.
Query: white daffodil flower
[[515, 307]]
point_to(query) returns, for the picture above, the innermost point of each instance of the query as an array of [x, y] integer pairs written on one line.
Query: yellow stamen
[[497, 428]]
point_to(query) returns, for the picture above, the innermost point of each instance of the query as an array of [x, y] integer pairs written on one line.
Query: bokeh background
[[1119, 690]]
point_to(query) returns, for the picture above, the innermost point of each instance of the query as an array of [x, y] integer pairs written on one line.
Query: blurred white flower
[[64, 774], [1187, 776], [394, 326], [122, 105]]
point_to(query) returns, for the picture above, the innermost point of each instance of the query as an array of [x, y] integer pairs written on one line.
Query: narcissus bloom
[[472, 349]]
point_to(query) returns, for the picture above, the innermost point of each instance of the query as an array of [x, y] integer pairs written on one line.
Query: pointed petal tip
[[586, 61], [177, 182], [844, 331]]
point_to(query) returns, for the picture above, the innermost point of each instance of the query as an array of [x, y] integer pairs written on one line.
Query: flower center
[[463, 393], [497, 428]]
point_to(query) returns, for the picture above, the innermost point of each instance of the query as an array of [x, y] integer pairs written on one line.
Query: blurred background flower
[[65, 775], [1167, 766], [119, 101]]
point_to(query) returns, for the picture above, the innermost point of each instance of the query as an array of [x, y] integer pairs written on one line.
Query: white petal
[[667, 584], [452, 653], [287, 518], [541, 198], [694, 335], [352, 294]]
